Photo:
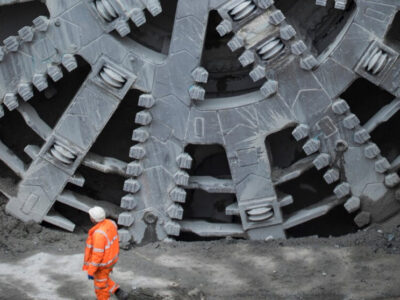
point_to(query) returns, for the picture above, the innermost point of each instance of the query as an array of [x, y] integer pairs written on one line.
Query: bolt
[[270, 74], [341, 145], [150, 218], [57, 23], [397, 195]]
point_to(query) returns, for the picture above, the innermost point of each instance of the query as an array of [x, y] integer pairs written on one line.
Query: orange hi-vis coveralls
[[101, 254]]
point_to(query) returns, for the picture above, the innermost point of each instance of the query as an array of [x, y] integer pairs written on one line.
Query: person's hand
[[90, 277]]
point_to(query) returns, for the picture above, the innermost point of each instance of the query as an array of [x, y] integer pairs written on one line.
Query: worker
[[101, 255]]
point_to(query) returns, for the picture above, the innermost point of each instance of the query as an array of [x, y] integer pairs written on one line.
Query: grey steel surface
[[298, 87]]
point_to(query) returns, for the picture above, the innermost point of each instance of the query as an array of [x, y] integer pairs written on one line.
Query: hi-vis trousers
[[103, 285]]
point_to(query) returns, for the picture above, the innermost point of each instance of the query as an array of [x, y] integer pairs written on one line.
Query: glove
[[90, 277]]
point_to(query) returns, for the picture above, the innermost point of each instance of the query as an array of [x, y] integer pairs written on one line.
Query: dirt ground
[[43, 263]]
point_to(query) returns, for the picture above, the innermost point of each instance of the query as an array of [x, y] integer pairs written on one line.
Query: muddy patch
[[12, 291]]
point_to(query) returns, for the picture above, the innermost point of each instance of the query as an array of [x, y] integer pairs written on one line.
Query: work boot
[[121, 294]]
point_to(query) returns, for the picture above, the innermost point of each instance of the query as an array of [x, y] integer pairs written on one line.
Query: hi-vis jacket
[[102, 247]]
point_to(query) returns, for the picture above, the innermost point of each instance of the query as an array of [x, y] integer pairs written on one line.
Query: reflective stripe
[[109, 243], [110, 266], [114, 286], [112, 260], [115, 225], [103, 264], [112, 242], [101, 288], [103, 233], [101, 280]]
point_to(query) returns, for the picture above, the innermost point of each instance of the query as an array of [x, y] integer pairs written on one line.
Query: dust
[[17, 238], [364, 265], [8, 291]]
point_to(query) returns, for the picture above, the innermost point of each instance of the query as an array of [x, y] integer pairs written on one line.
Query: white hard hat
[[97, 214]]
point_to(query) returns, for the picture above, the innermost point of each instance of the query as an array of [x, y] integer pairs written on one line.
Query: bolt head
[[341, 145], [150, 218], [397, 195]]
